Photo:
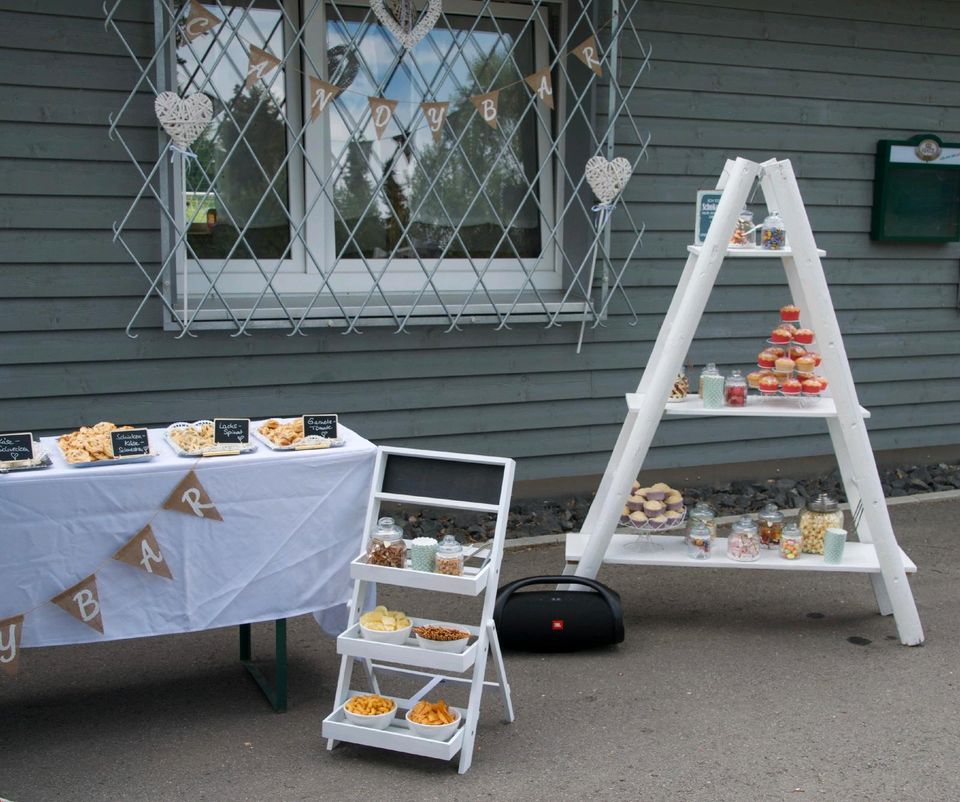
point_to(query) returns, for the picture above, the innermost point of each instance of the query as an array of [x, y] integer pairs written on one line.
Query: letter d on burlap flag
[[190, 498]]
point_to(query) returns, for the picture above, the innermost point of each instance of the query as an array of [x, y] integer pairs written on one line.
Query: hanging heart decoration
[[342, 66], [607, 178], [184, 119], [399, 19]]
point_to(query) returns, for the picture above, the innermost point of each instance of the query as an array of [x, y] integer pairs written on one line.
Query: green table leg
[[276, 693]]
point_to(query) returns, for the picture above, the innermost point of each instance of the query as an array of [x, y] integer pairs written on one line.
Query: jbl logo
[[557, 625]]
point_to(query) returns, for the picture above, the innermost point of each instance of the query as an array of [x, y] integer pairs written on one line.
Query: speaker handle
[[608, 595]]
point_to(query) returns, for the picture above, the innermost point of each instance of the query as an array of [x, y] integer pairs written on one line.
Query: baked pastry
[[806, 364], [766, 359], [777, 351], [658, 521], [804, 336], [753, 379], [89, 443], [673, 517], [674, 500], [635, 503], [790, 313], [780, 335], [812, 386], [192, 439], [816, 357], [282, 434], [769, 384], [625, 516], [791, 387], [653, 508], [784, 365], [638, 518], [796, 351]]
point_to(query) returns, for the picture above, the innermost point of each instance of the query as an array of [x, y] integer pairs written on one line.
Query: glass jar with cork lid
[[386, 546], [450, 557]]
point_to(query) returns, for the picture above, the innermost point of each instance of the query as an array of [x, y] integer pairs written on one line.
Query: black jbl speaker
[[557, 620]]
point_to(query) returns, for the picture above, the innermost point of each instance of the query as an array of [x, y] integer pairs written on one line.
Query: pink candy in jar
[[735, 390], [743, 544]]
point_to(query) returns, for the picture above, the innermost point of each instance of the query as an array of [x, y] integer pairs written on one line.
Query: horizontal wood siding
[[815, 81]]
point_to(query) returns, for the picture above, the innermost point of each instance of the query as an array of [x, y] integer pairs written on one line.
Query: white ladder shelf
[[877, 554], [488, 491]]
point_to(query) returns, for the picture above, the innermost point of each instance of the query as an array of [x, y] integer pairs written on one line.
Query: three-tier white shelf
[[877, 553], [447, 481]]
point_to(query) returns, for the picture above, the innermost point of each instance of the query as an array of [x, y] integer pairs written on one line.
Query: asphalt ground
[[731, 686]]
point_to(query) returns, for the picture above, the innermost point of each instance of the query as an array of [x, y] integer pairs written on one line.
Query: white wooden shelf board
[[411, 653], [756, 407], [427, 501], [670, 550], [397, 736], [752, 253], [472, 583]]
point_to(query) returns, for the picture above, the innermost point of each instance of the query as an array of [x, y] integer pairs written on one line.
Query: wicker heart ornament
[[607, 179], [183, 118], [399, 19]]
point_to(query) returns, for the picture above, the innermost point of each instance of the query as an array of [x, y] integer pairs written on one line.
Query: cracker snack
[[89, 443]]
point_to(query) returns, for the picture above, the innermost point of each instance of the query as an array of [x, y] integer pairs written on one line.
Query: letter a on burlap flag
[[142, 551]]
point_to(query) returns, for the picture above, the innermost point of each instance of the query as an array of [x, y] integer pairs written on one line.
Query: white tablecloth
[[291, 525]]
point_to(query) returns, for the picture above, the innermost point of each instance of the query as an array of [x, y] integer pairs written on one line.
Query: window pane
[[406, 178], [218, 212]]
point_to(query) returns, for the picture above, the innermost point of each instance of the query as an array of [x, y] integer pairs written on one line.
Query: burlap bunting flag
[[199, 21], [586, 51], [82, 602], [381, 112], [261, 62], [190, 498], [542, 85], [321, 93], [10, 631], [142, 551], [486, 104], [435, 114]]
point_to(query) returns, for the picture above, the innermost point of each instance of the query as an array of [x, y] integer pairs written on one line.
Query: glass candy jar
[[386, 545], [735, 390], [773, 236], [770, 520], [745, 233], [681, 386], [703, 513], [709, 370], [816, 518], [743, 544], [450, 557], [699, 539], [791, 542], [713, 390]]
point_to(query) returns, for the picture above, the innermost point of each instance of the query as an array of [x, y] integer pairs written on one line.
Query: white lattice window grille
[[285, 220]]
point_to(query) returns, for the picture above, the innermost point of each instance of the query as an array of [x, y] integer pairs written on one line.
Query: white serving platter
[[311, 443], [207, 451]]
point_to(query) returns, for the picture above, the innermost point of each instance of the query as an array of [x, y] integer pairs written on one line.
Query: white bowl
[[398, 636], [443, 645], [438, 732], [378, 722]]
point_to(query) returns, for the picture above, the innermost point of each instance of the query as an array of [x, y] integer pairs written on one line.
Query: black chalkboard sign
[[441, 478], [231, 430], [130, 443], [16, 446], [320, 426]]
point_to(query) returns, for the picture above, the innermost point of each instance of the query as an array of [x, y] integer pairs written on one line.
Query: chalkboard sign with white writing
[[16, 446], [320, 426], [130, 442], [231, 430]]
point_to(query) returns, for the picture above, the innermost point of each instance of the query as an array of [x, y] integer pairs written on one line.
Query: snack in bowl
[[441, 633], [370, 711], [380, 619], [192, 439], [433, 720], [89, 443], [282, 434]]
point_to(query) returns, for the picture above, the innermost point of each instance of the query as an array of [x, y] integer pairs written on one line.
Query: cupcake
[[789, 327], [812, 387], [635, 503], [806, 364], [824, 383], [642, 492], [765, 359], [653, 508], [784, 365], [753, 379], [796, 351], [634, 487], [777, 351], [804, 336], [769, 385], [815, 356], [781, 335], [656, 492], [658, 521], [789, 313], [674, 501], [662, 486], [791, 387], [673, 517], [638, 518], [625, 516]]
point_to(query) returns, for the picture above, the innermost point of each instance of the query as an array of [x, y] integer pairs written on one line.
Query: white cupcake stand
[[877, 553], [463, 482]]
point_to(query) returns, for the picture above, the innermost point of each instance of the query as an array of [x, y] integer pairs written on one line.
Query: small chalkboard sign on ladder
[[446, 481]]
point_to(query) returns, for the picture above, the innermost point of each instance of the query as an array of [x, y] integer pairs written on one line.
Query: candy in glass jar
[[698, 540], [709, 370], [770, 520], [386, 546], [450, 557], [703, 513], [791, 542], [735, 390], [713, 390], [820, 514], [745, 233], [743, 544], [773, 236]]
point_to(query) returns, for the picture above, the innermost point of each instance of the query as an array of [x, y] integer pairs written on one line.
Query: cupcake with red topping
[[796, 351], [790, 313], [804, 336], [812, 386], [768, 385], [766, 359], [781, 335], [791, 387]]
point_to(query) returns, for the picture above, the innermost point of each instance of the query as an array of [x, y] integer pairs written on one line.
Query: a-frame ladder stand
[[877, 553], [481, 575]]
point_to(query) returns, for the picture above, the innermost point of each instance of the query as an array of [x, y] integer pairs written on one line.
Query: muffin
[[765, 359], [784, 365], [635, 503], [769, 385], [777, 351], [753, 379], [804, 336], [625, 516], [791, 387], [637, 518], [658, 521], [806, 364], [653, 508], [812, 387], [655, 493], [789, 313], [796, 351], [674, 501], [673, 517], [781, 335]]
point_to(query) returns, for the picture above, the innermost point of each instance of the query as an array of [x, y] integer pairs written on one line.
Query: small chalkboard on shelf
[[430, 477], [130, 443], [707, 202], [16, 447], [235, 431], [320, 426]]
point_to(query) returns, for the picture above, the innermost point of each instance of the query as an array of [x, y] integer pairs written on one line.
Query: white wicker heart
[[408, 37], [607, 179], [183, 118]]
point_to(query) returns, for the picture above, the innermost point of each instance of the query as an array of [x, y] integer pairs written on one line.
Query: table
[[291, 525]]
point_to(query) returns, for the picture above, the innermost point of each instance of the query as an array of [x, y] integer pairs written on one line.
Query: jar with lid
[[450, 557], [709, 370], [743, 544], [713, 390], [386, 546], [816, 518], [703, 513], [771, 525], [681, 386], [699, 539], [745, 233], [791, 542], [735, 390], [773, 236]]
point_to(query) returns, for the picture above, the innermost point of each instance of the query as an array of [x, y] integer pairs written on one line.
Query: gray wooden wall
[[729, 77]]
